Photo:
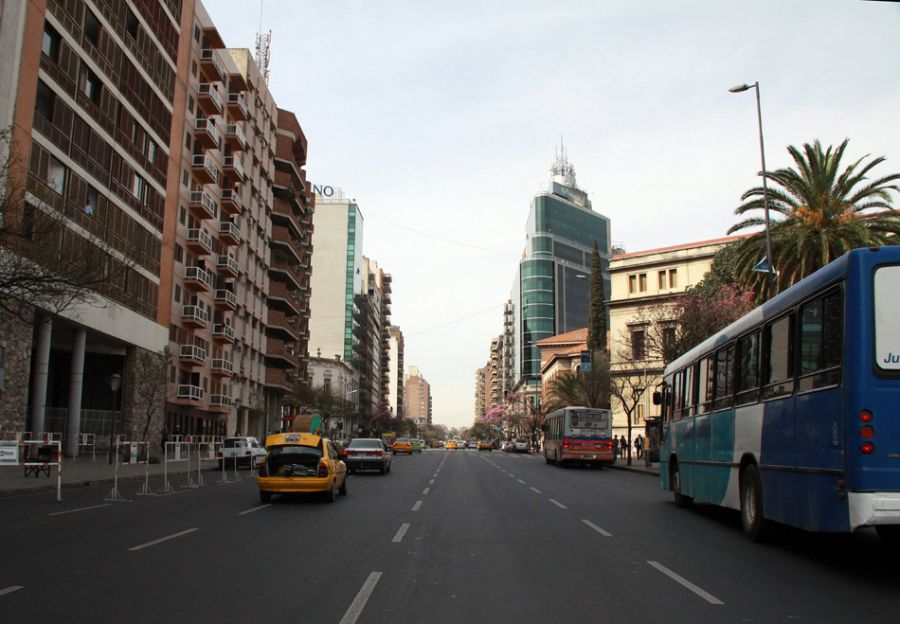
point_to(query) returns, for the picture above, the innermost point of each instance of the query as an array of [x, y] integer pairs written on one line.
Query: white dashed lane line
[[535, 490], [252, 509], [359, 603], [425, 491], [431, 482], [520, 481], [686, 583], [11, 589], [401, 532], [596, 528], [417, 506], [558, 504], [162, 539], [68, 511]]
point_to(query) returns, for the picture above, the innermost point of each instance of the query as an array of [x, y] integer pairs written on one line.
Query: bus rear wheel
[[675, 485], [753, 520]]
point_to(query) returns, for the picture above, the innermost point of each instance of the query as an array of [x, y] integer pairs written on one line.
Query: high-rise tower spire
[[562, 170]]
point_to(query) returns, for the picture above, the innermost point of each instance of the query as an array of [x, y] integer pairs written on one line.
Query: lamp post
[[762, 152], [115, 382], [237, 418]]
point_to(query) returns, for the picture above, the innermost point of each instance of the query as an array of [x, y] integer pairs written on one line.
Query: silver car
[[367, 454]]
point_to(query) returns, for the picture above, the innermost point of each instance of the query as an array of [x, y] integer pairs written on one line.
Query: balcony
[[223, 333], [225, 299], [199, 241], [235, 138], [205, 132], [194, 315], [196, 278], [229, 233], [204, 169], [222, 367], [203, 206], [192, 355], [233, 167], [220, 401], [232, 204], [279, 292], [279, 378], [237, 107], [190, 393], [208, 99], [211, 66], [227, 266]]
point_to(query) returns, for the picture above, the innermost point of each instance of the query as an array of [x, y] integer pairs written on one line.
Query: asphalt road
[[447, 536]]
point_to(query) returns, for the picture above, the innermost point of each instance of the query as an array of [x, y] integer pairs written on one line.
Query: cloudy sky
[[441, 118]]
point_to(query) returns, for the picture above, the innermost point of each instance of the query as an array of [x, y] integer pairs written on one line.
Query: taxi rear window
[[293, 460]]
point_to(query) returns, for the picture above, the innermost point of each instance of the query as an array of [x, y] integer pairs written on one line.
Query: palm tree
[[824, 212], [584, 389]]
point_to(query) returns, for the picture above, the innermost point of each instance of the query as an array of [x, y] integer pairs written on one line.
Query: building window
[[139, 189], [131, 23], [196, 33], [673, 278], [92, 86], [90, 201], [638, 344], [177, 293], [151, 151], [632, 284], [642, 282], [662, 280], [91, 27], [50, 43], [45, 102], [56, 176], [639, 413], [182, 215], [668, 338], [191, 104]]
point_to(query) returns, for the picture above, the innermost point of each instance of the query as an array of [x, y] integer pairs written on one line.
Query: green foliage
[[818, 212], [597, 313], [584, 389]]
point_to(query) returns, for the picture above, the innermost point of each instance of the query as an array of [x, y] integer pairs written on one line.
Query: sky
[[441, 118]]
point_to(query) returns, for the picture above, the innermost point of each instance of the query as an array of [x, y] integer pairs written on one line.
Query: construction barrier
[[87, 441], [50, 436], [18, 436], [130, 453], [174, 453], [36, 457]]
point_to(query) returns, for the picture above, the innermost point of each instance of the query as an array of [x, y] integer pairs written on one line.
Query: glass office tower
[[552, 289]]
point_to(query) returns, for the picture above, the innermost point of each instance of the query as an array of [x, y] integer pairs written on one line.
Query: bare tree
[[151, 387], [628, 386]]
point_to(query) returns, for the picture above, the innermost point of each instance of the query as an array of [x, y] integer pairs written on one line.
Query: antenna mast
[[263, 47]]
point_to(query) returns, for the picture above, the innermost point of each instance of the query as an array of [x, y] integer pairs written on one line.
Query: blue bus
[[791, 414]]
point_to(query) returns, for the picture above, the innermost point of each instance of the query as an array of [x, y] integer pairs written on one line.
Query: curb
[[634, 469], [74, 485]]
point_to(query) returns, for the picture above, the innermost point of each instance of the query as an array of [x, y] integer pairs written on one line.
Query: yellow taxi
[[451, 444], [301, 463], [403, 445], [484, 445]]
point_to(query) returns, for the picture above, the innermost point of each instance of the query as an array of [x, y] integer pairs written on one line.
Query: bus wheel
[[675, 485], [755, 526], [889, 534]]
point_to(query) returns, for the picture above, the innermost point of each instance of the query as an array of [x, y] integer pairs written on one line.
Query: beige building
[[417, 398], [560, 354], [642, 284]]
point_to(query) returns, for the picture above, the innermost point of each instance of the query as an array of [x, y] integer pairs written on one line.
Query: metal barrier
[[180, 452], [130, 453], [49, 436], [18, 436], [88, 441], [35, 456]]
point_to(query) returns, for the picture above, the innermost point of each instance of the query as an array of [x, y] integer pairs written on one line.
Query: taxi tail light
[[322, 470]]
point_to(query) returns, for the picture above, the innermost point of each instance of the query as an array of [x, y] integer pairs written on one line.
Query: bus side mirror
[[545, 427], [657, 398]]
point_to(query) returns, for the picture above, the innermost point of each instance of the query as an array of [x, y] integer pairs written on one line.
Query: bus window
[[821, 339], [696, 385], [677, 393], [778, 357], [724, 373], [747, 373], [687, 409], [706, 384]]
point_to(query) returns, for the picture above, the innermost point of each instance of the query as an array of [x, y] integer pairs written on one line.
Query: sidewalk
[[86, 473], [637, 465]]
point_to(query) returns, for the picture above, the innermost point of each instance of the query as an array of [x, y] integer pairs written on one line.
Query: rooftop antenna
[[263, 47]]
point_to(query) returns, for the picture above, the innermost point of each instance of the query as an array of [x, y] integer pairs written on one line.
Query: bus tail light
[[866, 416], [867, 448], [866, 432]]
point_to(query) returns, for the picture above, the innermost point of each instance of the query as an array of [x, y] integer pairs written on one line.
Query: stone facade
[[15, 345]]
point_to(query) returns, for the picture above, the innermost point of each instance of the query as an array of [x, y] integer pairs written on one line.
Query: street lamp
[[762, 152], [237, 418], [115, 382]]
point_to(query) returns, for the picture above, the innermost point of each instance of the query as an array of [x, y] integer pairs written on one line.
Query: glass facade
[[351, 286]]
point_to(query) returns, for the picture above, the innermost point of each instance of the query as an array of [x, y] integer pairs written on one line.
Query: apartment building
[[395, 371], [418, 397], [372, 328]]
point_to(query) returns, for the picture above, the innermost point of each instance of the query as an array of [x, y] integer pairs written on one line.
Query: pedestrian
[[623, 446], [615, 447], [638, 445]]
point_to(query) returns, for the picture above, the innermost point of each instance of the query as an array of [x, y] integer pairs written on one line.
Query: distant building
[[560, 354], [481, 404], [418, 397], [643, 281], [395, 372]]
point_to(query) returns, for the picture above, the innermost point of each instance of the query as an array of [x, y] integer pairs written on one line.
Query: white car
[[242, 450], [521, 446]]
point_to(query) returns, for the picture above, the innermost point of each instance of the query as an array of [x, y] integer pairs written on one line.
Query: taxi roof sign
[[303, 439]]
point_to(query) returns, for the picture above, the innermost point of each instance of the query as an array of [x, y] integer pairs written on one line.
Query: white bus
[[578, 435]]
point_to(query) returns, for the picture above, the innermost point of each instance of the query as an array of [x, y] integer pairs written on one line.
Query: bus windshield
[[887, 322], [588, 420]]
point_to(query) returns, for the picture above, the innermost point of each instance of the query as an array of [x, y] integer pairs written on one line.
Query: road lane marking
[[11, 589], [511, 475], [359, 603], [686, 583], [425, 491], [417, 506], [596, 528], [162, 539], [68, 511], [520, 481], [401, 532], [558, 504], [257, 508], [431, 482], [535, 490]]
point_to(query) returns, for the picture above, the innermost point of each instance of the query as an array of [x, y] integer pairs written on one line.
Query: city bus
[[790, 414], [578, 435]]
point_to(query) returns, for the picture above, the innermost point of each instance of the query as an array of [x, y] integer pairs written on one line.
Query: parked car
[[508, 446], [241, 449], [301, 463], [416, 444], [521, 446], [367, 454], [484, 445], [403, 445]]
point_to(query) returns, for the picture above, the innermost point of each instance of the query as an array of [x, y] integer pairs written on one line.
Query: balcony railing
[[206, 130], [232, 164], [189, 392], [223, 331], [226, 297], [209, 95], [204, 204], [200, 238], [220, 400], [231, 200], [227, 264], [222, 366], [192, 353], [195, 314], [237, 105], [212, 65], [197, 276], [235, 137], [204, 168], [228, 230]]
